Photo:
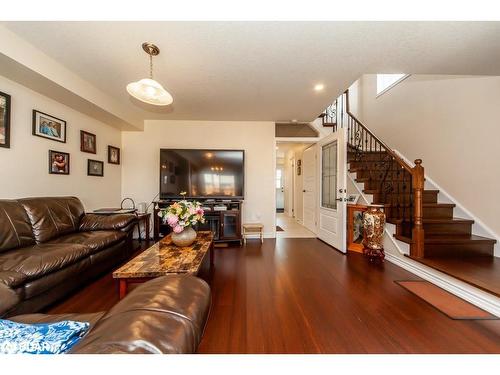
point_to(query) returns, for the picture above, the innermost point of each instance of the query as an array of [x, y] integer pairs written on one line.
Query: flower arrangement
[[182, 214]]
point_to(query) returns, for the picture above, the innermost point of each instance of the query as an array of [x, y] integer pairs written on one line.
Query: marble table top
[[164, 258]]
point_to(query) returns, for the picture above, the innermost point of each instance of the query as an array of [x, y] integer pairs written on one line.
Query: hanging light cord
[[150, 66]]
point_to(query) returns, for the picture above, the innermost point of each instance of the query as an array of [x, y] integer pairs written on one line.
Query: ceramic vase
[[374, 223], [184, 238]]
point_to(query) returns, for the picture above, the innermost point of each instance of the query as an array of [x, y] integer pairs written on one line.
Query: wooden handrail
[[417, 184], [387, 148]]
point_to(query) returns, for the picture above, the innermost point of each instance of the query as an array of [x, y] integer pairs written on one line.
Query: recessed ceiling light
[[319, 87], [294, 120]]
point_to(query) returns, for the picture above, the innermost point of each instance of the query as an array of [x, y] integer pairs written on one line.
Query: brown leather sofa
[[165, 315], [49, 247]]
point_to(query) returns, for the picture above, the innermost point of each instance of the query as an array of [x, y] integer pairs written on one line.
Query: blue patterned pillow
[[52, 338]]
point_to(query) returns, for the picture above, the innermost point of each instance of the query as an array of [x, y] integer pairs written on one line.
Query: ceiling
[[258, 70]]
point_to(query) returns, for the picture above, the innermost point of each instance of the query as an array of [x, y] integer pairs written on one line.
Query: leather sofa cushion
[[69, 275], [15, 226], [39, 260], [97, 240], [91, 318], [53, 217], [8, 299], [12, 278], [93, 222], [164, 315]]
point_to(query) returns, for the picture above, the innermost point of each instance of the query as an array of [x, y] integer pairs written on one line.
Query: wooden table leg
[[146, 226], [139, 230], [212, 257], [123, 288]]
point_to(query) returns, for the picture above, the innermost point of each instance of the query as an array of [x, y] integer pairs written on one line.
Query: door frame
[[313, 148], [342, 184], [312, 140]]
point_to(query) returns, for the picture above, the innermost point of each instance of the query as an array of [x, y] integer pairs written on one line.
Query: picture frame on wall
[[59, 162], [113, 155], [88, 142], [95, 168], [4, 120], [48, 126]]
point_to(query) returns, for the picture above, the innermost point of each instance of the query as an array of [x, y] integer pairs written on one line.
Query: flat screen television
[[217, 174]]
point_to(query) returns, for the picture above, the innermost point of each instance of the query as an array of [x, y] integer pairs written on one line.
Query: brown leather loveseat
[[165, 315], [49, 247]]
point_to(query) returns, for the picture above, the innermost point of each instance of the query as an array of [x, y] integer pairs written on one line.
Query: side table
[[253, 228], [145, 220]]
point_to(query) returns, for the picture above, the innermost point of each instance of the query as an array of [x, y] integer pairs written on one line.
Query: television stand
[[222, 217]]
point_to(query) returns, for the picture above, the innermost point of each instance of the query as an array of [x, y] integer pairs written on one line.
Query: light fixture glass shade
[[149, 91]]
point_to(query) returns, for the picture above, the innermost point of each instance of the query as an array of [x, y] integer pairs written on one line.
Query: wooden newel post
[[417, 247]]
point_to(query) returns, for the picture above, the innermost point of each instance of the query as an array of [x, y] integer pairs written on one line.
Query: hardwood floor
[[301, 296]]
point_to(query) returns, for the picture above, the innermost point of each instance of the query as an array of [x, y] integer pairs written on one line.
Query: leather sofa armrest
[[8, 299], [123, 222], [164, 315]]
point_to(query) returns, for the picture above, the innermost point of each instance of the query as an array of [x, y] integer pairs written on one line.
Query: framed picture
[[95, 168], [299, 170], [50, 127], [113, 155], [88, 142], [355, 229], [58, 162], [4, 120]]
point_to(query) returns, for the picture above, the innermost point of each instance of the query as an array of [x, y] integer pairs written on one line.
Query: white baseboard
[[465, 291]]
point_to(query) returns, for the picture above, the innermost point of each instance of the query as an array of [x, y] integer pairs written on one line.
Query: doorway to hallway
[[290, 193]]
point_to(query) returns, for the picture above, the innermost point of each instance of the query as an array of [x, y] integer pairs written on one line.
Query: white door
[[280, 195], [332, 180], [309, 188]]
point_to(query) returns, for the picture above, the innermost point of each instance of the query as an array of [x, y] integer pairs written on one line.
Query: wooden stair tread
[[481, 272], [446, 221], [456, 238], [329, 124], [447, 238], [374, 191]]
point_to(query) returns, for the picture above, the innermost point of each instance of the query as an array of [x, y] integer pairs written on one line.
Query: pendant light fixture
[[148, 90]]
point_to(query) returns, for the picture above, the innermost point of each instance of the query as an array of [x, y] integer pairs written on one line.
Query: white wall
[[141, 155], [25, 165], [451, 123]]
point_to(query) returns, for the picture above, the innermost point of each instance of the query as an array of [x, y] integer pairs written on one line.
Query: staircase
[[436, 237]]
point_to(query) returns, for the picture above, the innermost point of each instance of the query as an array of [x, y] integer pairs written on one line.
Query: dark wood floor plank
[[302, 296]]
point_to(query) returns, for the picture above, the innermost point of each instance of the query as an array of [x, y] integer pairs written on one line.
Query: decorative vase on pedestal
[[373, 223], [184, 238]]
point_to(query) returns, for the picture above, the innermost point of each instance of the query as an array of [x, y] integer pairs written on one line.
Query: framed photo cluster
[[4, 120], [53, 128]]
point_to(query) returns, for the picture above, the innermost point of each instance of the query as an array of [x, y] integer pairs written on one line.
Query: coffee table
[[164, 258]]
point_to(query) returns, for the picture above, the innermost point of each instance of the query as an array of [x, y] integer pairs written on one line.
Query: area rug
[[279, 229], [449, 304]]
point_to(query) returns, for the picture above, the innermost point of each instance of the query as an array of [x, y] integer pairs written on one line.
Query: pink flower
[[172, 220], [200, 211], [178, 229]]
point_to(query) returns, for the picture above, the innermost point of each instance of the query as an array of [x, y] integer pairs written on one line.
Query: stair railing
[[399, 185]]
